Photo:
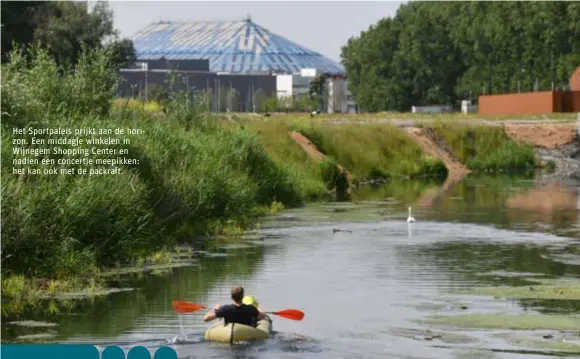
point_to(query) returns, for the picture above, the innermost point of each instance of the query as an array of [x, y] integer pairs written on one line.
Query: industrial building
[[240, 63]]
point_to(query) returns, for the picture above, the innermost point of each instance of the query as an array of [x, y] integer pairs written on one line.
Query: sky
[[322, 26]]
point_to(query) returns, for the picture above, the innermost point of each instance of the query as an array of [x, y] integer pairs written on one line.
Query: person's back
[[243, 314], [237, 312]]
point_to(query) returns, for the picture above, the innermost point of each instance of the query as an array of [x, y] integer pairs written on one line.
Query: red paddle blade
[[185, 307], [292, 314]]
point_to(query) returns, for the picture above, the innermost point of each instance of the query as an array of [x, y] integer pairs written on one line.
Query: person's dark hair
[[237, 294]]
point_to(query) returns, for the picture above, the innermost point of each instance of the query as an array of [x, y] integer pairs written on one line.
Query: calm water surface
[[364, 290]]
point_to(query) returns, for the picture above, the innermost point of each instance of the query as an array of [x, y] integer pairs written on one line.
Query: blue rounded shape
[[139, 353], [113, 352], [165, 353]]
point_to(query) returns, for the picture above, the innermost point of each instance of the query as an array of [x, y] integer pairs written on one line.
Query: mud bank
[[555, 145]]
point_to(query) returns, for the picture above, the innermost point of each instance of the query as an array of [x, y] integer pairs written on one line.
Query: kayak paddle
[[186, 307]]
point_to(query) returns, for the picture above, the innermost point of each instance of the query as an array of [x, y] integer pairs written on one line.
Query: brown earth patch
[[542, 135], [313, 152]]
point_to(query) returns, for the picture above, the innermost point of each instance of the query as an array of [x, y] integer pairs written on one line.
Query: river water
[[364, 289]]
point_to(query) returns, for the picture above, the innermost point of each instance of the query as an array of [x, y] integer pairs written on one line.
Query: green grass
[[280, 147], [372, 150], [486, 148]]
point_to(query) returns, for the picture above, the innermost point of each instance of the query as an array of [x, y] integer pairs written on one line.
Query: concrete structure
[[239, 56], [431, 109], [467, 107]]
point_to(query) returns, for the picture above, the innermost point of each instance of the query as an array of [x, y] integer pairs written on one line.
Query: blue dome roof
[[234, 47]]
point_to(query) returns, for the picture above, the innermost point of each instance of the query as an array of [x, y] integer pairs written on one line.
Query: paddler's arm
[[261, 314], [211, 315]]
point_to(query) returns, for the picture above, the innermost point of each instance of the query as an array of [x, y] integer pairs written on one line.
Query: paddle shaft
[[187, 307]]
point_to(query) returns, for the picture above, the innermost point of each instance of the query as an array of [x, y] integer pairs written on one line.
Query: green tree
[[64, 28], [316, 90], [444, 52]]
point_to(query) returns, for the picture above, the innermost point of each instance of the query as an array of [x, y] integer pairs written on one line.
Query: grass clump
[[486, 148], [333, 176], [190, 176]]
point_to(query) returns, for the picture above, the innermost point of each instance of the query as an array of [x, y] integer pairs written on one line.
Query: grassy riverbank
[[383, 150]]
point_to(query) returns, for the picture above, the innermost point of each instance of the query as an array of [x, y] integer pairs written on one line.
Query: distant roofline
[[148, 52]]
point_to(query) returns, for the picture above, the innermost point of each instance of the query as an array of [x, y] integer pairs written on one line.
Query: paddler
[[237, 312]]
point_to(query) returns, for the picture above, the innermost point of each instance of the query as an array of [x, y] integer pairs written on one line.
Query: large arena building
[[241, 63]]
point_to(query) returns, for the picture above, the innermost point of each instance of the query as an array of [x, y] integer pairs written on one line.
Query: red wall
[[575, 101], [517, 104], [575, 80], [530, 103]]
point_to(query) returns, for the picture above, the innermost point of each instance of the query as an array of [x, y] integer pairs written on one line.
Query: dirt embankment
[[554, 143], [543, 135], [430, 143]]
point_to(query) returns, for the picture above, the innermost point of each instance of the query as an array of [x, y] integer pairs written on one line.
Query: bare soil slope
[[546, 135], [432, 148]]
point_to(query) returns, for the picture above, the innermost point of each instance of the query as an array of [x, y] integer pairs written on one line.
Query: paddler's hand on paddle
[[211, 314]]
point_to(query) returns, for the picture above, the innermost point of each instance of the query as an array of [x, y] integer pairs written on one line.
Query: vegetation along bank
[[198, 173]]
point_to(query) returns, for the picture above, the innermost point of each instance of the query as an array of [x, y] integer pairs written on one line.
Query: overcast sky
[[322, 26]]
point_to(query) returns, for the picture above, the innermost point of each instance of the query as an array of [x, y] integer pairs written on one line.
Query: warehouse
[[240, 63]]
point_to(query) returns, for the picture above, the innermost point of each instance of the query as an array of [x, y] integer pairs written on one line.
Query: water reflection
[[506, 202]]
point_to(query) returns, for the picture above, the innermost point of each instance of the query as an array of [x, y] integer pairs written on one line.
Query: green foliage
[[193, 177], [271, 104], [305, 172], [317, 90], [333, 177], [122, 53], [64, 28], [35, 90], [444, 52], [486, 148], [432, 168], [369, 150]]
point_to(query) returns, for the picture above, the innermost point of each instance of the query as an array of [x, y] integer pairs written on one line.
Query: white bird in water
[[410, 219]]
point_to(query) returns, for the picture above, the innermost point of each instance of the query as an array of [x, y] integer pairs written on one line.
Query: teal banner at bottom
[[77, 351]]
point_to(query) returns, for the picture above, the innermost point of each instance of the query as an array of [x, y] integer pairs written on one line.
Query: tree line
[[65, 29], [436, 53]]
